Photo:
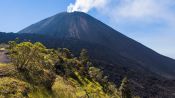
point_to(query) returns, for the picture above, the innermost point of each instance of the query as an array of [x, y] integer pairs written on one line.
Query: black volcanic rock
[[73, 25], [82, 27]]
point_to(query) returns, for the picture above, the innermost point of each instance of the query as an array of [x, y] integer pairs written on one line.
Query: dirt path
[[4, 70], [3, 57]]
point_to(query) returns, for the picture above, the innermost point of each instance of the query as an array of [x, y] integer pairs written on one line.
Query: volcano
[[116, 54]]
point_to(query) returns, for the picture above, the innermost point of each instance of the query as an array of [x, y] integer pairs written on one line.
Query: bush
[[34, 62]]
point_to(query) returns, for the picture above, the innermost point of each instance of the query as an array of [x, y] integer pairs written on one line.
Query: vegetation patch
[[38, 72], [3, 65], [13, 88]]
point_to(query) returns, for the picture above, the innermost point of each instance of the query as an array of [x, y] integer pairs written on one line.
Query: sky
[[150, 22]]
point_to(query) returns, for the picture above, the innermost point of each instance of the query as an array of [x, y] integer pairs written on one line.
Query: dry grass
[[72, 89], [13, 88]]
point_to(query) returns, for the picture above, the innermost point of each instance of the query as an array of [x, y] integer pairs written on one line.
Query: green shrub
[[34, 62]]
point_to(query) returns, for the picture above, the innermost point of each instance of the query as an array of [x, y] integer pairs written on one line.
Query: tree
[[34, 61], [26, 54], [95, 73], [124, 89], [84, 56], [65, 53]]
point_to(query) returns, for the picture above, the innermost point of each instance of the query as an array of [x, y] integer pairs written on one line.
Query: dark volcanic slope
[[74, 25], [83, 27]]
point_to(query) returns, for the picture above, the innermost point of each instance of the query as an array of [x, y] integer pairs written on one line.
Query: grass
[[7, 69], [70, 88], [5, 64], [13, 88], [2, 49], [39, 92], [63, 89]]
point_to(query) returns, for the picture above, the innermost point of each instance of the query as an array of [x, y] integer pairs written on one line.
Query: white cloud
[[140, 10], [86, 5], [119, 10], [135, 8]]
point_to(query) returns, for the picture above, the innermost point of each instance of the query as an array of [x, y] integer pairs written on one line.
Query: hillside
[[38, 72]]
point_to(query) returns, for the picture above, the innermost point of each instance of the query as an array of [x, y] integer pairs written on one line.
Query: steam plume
[[86, 5]]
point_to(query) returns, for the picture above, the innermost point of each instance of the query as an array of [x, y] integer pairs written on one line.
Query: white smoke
[[86, 5]]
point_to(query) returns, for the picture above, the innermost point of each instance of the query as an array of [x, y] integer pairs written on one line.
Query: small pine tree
[[124, 89]]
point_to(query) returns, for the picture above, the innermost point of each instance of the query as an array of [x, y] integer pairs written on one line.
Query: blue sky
[[151, 22]]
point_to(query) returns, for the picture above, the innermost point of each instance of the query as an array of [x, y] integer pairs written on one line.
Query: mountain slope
[[118, 48]]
